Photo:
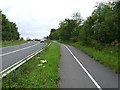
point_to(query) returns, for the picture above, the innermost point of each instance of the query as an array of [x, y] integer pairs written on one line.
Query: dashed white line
[[89, 75]]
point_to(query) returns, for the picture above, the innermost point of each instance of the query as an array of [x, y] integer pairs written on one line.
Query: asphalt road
[[16, 47], [90, 74], [13, 54]]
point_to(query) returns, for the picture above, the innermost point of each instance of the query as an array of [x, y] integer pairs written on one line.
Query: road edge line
[[18, 50], [85, 70], [22, 62]]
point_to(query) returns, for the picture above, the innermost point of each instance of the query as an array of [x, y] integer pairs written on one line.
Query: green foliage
[[68, 29], [36, 39], [107, 55], [94, 35], [101, 27], [35, 74], [9, 29], [11, 43], [21, 38], [77, 17], [28, 39], [74, 39], [54, 35], [105, 27]]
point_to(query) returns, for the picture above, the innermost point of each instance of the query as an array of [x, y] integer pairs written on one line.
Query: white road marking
[[18, 50], [19, 63], [90, 76], [23, 61], [15, 63]]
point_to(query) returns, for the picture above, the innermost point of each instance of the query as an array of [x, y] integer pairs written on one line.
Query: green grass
[[106, 55], [35, 74], [11, 43]]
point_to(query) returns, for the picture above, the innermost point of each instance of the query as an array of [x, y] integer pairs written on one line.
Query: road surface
[[11, 55], [77, 70]]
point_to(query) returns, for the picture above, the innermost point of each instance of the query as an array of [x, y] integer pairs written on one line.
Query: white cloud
[[35, 18]]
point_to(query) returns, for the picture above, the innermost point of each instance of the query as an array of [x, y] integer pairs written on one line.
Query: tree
[[21, 38], [52, 30], [9, 29], [77, 17], [54, 35], [101, 27]]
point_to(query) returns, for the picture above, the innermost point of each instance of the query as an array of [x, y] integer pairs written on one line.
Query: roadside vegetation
[[9, 34], [11, 43], [9, 29], [39, 72], [107, 55], [98, 35]]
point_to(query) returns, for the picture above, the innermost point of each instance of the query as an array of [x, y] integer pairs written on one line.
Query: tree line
[[9, 30], [101, 27]]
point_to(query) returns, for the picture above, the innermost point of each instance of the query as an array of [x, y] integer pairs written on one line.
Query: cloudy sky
[[35, 18]]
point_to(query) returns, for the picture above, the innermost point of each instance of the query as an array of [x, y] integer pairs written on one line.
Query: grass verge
[[11, 43], [105, 55], [39, 72]]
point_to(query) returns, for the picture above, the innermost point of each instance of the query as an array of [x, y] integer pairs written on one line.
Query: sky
[[35, 18]]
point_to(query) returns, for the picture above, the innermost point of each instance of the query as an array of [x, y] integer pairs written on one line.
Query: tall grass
[[11, 43], [35, 73], [107, 55]]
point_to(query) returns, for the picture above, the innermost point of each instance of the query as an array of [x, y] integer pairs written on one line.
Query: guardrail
[[19, 63]]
